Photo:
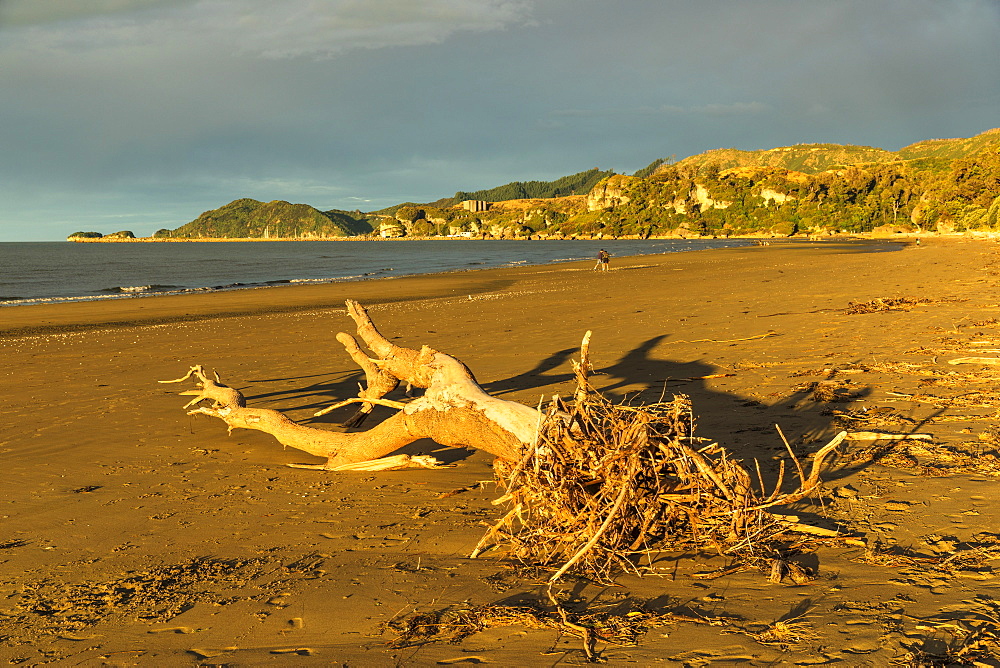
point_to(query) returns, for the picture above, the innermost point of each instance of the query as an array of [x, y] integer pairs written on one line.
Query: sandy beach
[[134, 534]]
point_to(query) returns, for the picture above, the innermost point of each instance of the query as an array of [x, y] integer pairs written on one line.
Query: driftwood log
[[453, 410], [592, 486]]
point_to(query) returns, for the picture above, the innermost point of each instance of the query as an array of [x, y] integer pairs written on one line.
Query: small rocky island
[[124, 235]]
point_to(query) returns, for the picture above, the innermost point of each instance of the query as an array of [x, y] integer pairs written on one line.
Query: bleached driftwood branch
[[453, 411]]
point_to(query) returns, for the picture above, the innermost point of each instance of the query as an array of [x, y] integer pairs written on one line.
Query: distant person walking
[[603, 258]]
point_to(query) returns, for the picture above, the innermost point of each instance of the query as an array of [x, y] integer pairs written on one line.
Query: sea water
[[45, 272]]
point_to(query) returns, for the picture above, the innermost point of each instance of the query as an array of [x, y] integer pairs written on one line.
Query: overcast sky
[[141, 114]]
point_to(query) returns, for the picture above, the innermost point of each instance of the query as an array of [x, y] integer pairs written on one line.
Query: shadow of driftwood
[[323, 390], [747, 426], [541, 375]]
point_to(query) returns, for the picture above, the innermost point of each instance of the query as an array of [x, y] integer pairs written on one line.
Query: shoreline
[[137, 533], [826, 236], [151, 308]]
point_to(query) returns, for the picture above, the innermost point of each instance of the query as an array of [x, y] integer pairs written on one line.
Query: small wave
[[61, 300], [312, 280], [129, 292], [137, 289], [337, 279]]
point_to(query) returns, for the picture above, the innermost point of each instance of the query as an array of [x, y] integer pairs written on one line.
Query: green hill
[[250, 219]]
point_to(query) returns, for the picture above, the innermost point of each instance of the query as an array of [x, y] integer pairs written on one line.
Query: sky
[[141, 114]]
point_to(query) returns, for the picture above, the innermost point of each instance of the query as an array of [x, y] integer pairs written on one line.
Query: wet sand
[[134, 534]]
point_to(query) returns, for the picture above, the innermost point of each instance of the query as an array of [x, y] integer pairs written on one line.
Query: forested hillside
[[942, 185], [939, 185]]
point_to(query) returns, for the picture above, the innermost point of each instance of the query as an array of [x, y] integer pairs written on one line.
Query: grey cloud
[[321, 28], [159, 110], [381, 23], [33, 12]]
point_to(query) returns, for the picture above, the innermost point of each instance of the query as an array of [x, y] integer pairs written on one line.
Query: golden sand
[[133, 534]]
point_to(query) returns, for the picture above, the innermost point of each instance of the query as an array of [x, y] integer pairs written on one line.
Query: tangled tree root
[[605, 485]]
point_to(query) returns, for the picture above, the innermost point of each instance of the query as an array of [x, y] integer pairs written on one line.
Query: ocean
[[46, 272]]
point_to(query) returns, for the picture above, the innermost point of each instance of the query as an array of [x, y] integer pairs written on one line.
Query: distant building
[[475, 205]]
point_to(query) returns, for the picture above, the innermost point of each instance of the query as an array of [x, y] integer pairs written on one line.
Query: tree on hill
[[574, 184], [649, 169]]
